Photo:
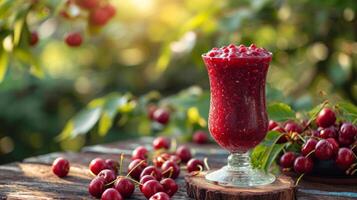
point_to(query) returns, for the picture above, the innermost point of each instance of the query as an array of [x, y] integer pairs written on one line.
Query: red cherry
[[145, 179], [124, 186], [87, 4], [329, 132], [344, 141], [112, 164], [292, 127], [348, 131], [97, 165], [33, 39], [184, 153], [170, 169], [151, 187], [110, 10], [74, 39], [308, 146], [326, 118], [323, 150], [99, 17], [140, 153], [272, 124], [334, 144], [194, 165], [161, 116], [315, 133], [200, 137], [287, 159], [175, 159], [345, 158], [151, 109], [151, 170], [170, 186], [96, 187], [136, 168], [161, 143], [60, 167], [159, 160], [279, 129], [111, 194], [108, 175], [160, 196], [303, 165]]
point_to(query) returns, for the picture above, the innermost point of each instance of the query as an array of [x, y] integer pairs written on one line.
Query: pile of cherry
[[154, 173], [325, 140]]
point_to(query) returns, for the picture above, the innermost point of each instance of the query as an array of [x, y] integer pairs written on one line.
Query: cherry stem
[[140, 163], [195, 173], [351, 168], [353, 146], [118, 177], [315, 115], [311, 152], [161, 159], [298, 180], [91, 173], [170, 169], [135, 181], [353, 172], [205, 161], [301, 138], [121, 163], [200, 167]]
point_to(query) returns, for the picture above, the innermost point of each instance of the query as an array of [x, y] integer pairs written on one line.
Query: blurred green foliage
[[157, 45]]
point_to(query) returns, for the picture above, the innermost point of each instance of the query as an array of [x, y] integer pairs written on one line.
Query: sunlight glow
[[143, 6]]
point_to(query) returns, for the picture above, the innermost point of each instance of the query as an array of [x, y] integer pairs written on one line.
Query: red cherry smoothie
[[237, 119]]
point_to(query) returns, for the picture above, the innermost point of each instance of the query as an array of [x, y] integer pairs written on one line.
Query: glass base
[[239, 173]]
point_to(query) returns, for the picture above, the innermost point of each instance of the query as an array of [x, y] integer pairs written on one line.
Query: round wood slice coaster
[[200, 189]]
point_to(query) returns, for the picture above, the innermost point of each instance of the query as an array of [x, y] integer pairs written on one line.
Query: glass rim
[[204, 55]]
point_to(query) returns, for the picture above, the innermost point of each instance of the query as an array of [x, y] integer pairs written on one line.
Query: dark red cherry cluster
[[327, 139], [153, 172], [233, 51], [97, 12]]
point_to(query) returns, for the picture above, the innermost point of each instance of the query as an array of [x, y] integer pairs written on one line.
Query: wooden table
[[32, 178]]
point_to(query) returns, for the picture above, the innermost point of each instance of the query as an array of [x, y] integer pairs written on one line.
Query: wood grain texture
[[200, 189], [33, 179]]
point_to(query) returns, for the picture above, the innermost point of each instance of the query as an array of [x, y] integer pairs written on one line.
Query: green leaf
[[4, 59], [81, 123], [18, 27], [349, 110], [110, 109], [280, 112], [114, 103], [26, 57], [264, 154], [5, 7], [271, 156]]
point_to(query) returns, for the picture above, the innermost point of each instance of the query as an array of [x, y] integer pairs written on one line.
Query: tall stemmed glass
[[237, 118]]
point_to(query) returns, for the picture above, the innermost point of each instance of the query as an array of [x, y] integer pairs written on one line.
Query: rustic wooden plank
[[33, 179]]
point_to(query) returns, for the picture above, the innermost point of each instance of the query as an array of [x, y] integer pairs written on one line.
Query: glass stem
[[239, 162]]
